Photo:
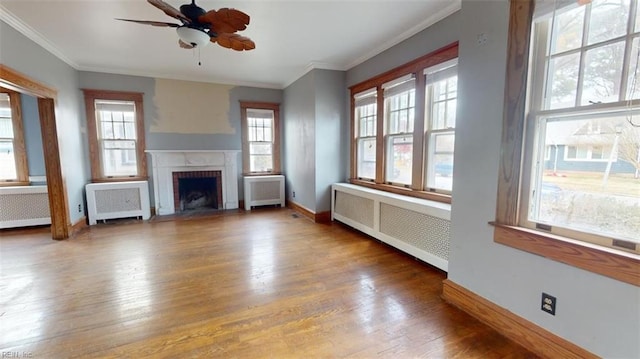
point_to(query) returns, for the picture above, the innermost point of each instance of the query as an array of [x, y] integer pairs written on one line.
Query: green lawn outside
[[617, 184]]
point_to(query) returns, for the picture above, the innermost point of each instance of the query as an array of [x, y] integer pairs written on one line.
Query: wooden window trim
[[19, 146], [612, 263], [275, 107], [416, 67], [90, 96]]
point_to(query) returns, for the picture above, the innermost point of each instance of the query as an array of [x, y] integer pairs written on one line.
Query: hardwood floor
[[238, 285]]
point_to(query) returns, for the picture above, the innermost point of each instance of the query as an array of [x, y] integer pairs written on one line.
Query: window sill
[[258, 174], [432, 196], [616, 264], [13, 183], [119, 179]]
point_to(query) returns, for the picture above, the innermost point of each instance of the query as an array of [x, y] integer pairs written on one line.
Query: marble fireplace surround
[[165, 162]]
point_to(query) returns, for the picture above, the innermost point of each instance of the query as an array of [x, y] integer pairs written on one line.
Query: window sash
[[266, 156], [543, 65], [399, 159]]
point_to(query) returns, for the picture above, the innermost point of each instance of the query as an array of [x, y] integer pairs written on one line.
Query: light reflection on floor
[[262, 264]]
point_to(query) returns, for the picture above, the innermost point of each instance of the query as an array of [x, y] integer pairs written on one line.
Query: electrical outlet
[[79, 208], [548, 304], [294, 194]]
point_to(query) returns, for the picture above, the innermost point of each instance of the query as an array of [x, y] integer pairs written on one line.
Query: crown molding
[[434, 18], [33, 35], [161, 75]]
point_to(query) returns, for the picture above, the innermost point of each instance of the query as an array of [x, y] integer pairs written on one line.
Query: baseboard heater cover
[[23, 206], [117, 200], [416, 226], [263, 190]]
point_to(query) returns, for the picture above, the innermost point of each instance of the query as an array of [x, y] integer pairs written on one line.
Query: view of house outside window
[[584, 177]]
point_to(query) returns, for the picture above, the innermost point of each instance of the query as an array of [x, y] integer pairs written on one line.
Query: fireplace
[[167, 162], [197, 190]]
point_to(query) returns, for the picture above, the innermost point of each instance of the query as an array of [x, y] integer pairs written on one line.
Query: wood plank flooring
[[234, 285]]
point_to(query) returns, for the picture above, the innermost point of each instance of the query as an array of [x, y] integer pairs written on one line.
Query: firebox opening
[[198, 193]]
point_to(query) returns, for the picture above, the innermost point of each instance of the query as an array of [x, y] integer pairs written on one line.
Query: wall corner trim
[[529, 335]]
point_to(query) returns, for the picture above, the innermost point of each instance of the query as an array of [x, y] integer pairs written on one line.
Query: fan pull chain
[[199, 63]]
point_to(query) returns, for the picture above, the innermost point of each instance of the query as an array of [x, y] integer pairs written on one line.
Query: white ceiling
[[291, 36]]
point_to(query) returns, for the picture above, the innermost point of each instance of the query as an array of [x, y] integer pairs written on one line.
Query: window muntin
[[365, 115], [588, 189], [260, 138], [393, 146]]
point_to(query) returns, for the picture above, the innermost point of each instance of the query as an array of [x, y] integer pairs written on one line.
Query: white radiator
[[263, 190], [416, 226], [24, 206], [117, 200]]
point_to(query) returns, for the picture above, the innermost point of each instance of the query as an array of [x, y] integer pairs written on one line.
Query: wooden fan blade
[[184, 45], [170, 10], [152, 23], [234, 41], [225, 20]]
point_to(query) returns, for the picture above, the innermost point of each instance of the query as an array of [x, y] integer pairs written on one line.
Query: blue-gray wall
[[299, 143], [331, 153], [314, 147], [32, 135], [25, 56]]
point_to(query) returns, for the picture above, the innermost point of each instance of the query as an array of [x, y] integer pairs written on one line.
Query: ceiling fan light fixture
[[195, 37]]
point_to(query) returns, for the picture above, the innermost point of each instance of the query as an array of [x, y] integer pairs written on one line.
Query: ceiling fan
[[199, 27]]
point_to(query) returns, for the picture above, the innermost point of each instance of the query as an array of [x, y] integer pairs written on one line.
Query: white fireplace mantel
[[165, 162]]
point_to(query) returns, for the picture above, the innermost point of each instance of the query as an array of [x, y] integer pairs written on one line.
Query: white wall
[[599, 314]]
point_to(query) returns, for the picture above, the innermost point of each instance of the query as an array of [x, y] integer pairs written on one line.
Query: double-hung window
[[13, 159], [365, 115], [116, 135], [403, 127], [568, 188], [440, 112], [260, 135], [584, 107], [399, 111]]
